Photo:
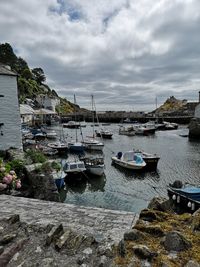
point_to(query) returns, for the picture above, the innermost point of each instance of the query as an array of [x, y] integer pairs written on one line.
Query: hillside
[[171, 105], [31, 82]]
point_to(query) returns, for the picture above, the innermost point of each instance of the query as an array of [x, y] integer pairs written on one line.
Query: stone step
[[103, 224]]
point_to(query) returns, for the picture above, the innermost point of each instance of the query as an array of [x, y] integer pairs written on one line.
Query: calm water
[[126, 190]]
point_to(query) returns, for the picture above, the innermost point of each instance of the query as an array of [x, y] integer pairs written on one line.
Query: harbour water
[[128, 190]]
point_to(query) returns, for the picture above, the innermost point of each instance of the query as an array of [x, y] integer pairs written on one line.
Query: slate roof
[[4, 70]]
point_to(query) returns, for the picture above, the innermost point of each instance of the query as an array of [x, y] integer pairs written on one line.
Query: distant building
[[48, 102], [10, 124]]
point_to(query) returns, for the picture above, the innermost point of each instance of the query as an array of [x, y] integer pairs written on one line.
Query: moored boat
[[104, 134], [92, 144], [129, 131], [150, 159], [185, 196], [94, 165], [129, 160], [74, 170]]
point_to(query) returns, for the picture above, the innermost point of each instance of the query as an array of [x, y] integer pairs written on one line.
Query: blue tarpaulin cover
[[190, 190]]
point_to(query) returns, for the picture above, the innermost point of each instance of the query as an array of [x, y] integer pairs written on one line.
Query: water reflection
[[131, 191], [91, 184]]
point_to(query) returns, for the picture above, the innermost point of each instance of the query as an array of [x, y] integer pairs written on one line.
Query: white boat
[[74, 167], [104, 134], [92, 144], [72, 125], [129, 160], [94, 165], [126, 130]]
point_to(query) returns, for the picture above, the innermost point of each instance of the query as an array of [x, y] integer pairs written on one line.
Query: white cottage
[[10, 124]]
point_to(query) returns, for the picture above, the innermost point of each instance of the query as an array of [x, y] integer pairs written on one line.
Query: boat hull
[[95, 170], [130, 165], [184, 203]]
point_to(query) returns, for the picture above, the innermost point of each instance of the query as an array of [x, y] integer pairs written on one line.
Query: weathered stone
[[175, 241], [164, 264], [106, 250], [103, 261], [149, 215], [121, 249], [63, 239], [7, 239], [161, 204], [154, 230], [195, 221], [133, 235], [48, 262], [55, 233], [14, 218], [8, 253], [143, 252], [192, 263], [87, 251], [1, 249]]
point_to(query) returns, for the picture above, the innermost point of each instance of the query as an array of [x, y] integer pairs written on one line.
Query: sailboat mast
[[75, 118], [93, 114]]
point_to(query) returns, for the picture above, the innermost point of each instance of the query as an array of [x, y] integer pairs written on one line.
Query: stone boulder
[[161, 204], [192, 263], [195, 221], [133, 235], [175, 241], [143, 252]]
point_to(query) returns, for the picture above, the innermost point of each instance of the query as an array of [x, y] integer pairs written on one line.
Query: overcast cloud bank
[[125, 52]]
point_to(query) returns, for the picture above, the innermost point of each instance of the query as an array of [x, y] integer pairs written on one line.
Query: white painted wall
[[197, 111], [48, 102], [9, 114]]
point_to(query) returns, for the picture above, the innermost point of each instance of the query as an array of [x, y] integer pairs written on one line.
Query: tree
[[26, 74], [7, 56], [21, 65], [38, 75]]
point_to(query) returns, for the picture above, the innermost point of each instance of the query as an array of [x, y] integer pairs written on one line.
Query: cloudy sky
[[125, 52]]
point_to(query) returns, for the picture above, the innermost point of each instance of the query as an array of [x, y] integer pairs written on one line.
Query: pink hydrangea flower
[[18, 184], [7, 179]]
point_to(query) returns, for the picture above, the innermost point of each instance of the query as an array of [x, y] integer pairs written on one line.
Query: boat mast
[[75, 118], [93, 114]]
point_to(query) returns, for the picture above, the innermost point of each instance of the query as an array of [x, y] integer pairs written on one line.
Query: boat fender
[[189, 204], [178, 199], [193, 206], [174, 197]]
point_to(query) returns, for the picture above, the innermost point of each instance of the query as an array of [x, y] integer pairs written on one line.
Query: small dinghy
[[129, 160]]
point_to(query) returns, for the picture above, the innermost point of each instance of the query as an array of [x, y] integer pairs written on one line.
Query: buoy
[[174, 197], [193, 206], [189, 204], [178, 199]]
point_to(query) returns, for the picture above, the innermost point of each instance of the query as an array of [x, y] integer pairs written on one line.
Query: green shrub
[[36, 156]]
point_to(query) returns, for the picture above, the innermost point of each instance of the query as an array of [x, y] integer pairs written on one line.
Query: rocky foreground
[[41, 233]]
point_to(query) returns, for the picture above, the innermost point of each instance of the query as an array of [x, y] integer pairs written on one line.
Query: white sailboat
[[76, 146], [61, 145], [91, 143]]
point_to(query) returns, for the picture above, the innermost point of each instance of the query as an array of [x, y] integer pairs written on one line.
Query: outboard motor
[[119, 155], [177, 184]]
